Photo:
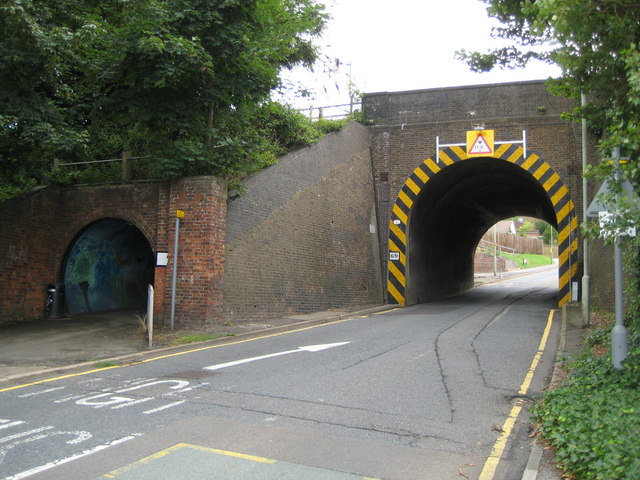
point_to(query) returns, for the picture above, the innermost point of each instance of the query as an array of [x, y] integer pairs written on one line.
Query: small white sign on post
[[605, 219], [394, 255]]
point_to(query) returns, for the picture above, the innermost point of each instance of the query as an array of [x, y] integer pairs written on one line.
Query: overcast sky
[[403, 45]]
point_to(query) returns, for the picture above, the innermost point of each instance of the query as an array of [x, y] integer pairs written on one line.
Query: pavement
[[51, 347]]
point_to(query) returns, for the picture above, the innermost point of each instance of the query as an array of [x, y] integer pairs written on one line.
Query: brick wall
[[484, 263], [39, 228], [201, 254], [299, 239]]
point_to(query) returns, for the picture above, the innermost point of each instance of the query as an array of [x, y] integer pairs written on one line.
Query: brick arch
[[107, 266], [81, 222], [540, 171]]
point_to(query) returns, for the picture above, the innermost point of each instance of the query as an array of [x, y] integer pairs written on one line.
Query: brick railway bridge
[[388, 212]]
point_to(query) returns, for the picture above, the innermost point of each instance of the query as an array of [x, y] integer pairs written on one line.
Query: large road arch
[[445, 206], [433, 212]]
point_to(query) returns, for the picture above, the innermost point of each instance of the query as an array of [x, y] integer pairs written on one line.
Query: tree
[[179, 80], [546, 231], [525, 228], [597, 45], [595, 42]]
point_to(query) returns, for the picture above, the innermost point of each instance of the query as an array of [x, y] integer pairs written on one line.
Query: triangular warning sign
[[480, 142], [480, 146]]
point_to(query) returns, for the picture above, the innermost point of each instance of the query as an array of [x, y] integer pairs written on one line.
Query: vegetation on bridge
[[593, 419], [185, 84]]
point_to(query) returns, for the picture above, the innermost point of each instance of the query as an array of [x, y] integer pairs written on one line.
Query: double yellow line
[[491, 464]]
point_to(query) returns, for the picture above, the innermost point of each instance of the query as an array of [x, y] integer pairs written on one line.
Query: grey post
[[585, 241], [619, 333], [179, 214]]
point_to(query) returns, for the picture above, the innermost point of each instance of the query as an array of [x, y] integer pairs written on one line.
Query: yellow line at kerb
[[62, 377], [491, 464], [177, 354]]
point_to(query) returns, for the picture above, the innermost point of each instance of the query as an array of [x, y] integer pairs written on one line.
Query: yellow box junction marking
[[180, 446]]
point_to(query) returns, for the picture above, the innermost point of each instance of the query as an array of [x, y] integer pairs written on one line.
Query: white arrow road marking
[[309, 348]]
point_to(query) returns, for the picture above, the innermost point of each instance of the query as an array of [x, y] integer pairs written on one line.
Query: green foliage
[[193, 338], [532, 260], [595, 43], [632, 284], [593, 418], [525, 228], [547, 232], [174, 79]]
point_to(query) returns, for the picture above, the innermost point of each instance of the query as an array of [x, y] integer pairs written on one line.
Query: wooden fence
[[518, 244]]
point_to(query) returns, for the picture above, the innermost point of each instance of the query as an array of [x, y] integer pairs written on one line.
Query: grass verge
[[528, 260], [196, 337]]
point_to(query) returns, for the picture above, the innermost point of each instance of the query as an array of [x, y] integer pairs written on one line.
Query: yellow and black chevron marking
[[540, 170]]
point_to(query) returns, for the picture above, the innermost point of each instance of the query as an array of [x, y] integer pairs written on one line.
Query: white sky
[[396, 45]]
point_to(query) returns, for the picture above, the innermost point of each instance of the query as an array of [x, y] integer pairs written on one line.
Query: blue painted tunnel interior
[[108, 268]]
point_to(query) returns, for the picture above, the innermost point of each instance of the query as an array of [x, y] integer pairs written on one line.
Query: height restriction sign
[[479, 142]]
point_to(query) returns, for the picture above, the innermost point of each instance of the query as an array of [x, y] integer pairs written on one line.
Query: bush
[[593, 418]]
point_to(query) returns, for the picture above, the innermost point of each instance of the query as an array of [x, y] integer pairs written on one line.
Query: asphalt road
[[434, 391]]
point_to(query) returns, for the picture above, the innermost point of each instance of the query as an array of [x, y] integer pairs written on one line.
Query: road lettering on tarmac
[[114, 399]]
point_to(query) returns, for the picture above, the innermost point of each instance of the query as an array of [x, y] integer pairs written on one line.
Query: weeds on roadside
[[593, 418]]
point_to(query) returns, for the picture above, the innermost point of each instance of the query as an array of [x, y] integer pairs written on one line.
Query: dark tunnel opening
[[107, 268], [451, 214]]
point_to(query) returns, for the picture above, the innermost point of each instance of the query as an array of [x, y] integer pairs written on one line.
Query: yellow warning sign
[[480, 142]]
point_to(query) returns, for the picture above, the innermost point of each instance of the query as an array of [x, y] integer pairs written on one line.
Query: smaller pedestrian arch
[[108, 267], [445, 207]]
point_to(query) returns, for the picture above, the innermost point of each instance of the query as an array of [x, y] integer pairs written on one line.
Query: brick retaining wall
[[299, 239]]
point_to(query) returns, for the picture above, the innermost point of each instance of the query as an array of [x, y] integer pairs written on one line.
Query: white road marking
[[80, 436], [90, 401], [164, 407], [10, 424], [33, 394], [62, 461], [309, 348], [24, 434], [67, 399], [134, 402]]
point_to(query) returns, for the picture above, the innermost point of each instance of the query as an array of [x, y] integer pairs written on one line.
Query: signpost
[[179, 215], [599, 208]]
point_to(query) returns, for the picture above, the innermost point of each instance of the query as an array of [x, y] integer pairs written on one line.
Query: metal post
[[495, 252], [126, 166], [175, 269], [150, 297], [619, 333], [585, 242]]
